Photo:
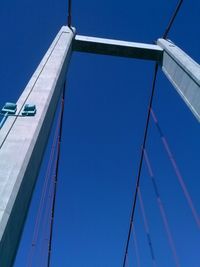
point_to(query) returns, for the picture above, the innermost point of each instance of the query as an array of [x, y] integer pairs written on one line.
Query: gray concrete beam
[[117, 48], [23, 141], [184, 74]]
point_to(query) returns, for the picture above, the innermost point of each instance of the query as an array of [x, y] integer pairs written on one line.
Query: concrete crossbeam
[[182, 71], [117, 48], [23, 141], [184, 74]]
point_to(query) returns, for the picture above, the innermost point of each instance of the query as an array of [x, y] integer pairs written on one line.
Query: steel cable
[[42, 199], [172, 19], [140, 164], [69, 18], [56, 178], [176, 170], [146, 226], [162, 210]]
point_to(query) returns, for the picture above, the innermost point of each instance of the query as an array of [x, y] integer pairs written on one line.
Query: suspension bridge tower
[[26, 124]]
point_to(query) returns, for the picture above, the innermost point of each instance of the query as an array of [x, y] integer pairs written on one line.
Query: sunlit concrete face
[[23, 140], [184, 74]]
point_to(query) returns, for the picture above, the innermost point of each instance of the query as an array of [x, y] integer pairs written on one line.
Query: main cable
[[140, 164], [172, 19], [145, 136], [56, 177], [69, 18]]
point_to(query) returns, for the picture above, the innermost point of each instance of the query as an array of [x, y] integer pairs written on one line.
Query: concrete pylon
[[23, 140], [184, 74]]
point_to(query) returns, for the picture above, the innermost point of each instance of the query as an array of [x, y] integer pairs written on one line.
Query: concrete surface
[[184, 74], [23, 141]]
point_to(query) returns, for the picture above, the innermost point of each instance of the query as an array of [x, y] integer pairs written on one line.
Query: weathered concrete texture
[[23, 140], [117, 48], [184, 74]]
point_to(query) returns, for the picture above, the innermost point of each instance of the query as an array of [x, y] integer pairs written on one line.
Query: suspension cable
[[176, 170], [172, 19], [162, 210], [146, 227], [46, 228], [145, 136], [140, 164], [56, 178], [47, 217], [69, 18], [42, 199], [135, 242]]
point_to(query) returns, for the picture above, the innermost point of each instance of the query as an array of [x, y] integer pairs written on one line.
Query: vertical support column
[[23, 140], [184, 74]]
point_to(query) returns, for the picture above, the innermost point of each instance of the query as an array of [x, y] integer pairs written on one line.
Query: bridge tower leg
[[23, 140]]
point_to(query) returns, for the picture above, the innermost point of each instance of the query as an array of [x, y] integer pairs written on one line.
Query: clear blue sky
[[103, 126]]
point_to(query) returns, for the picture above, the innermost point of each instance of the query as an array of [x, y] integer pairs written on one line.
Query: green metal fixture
[[29, 110], [8, 109]]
